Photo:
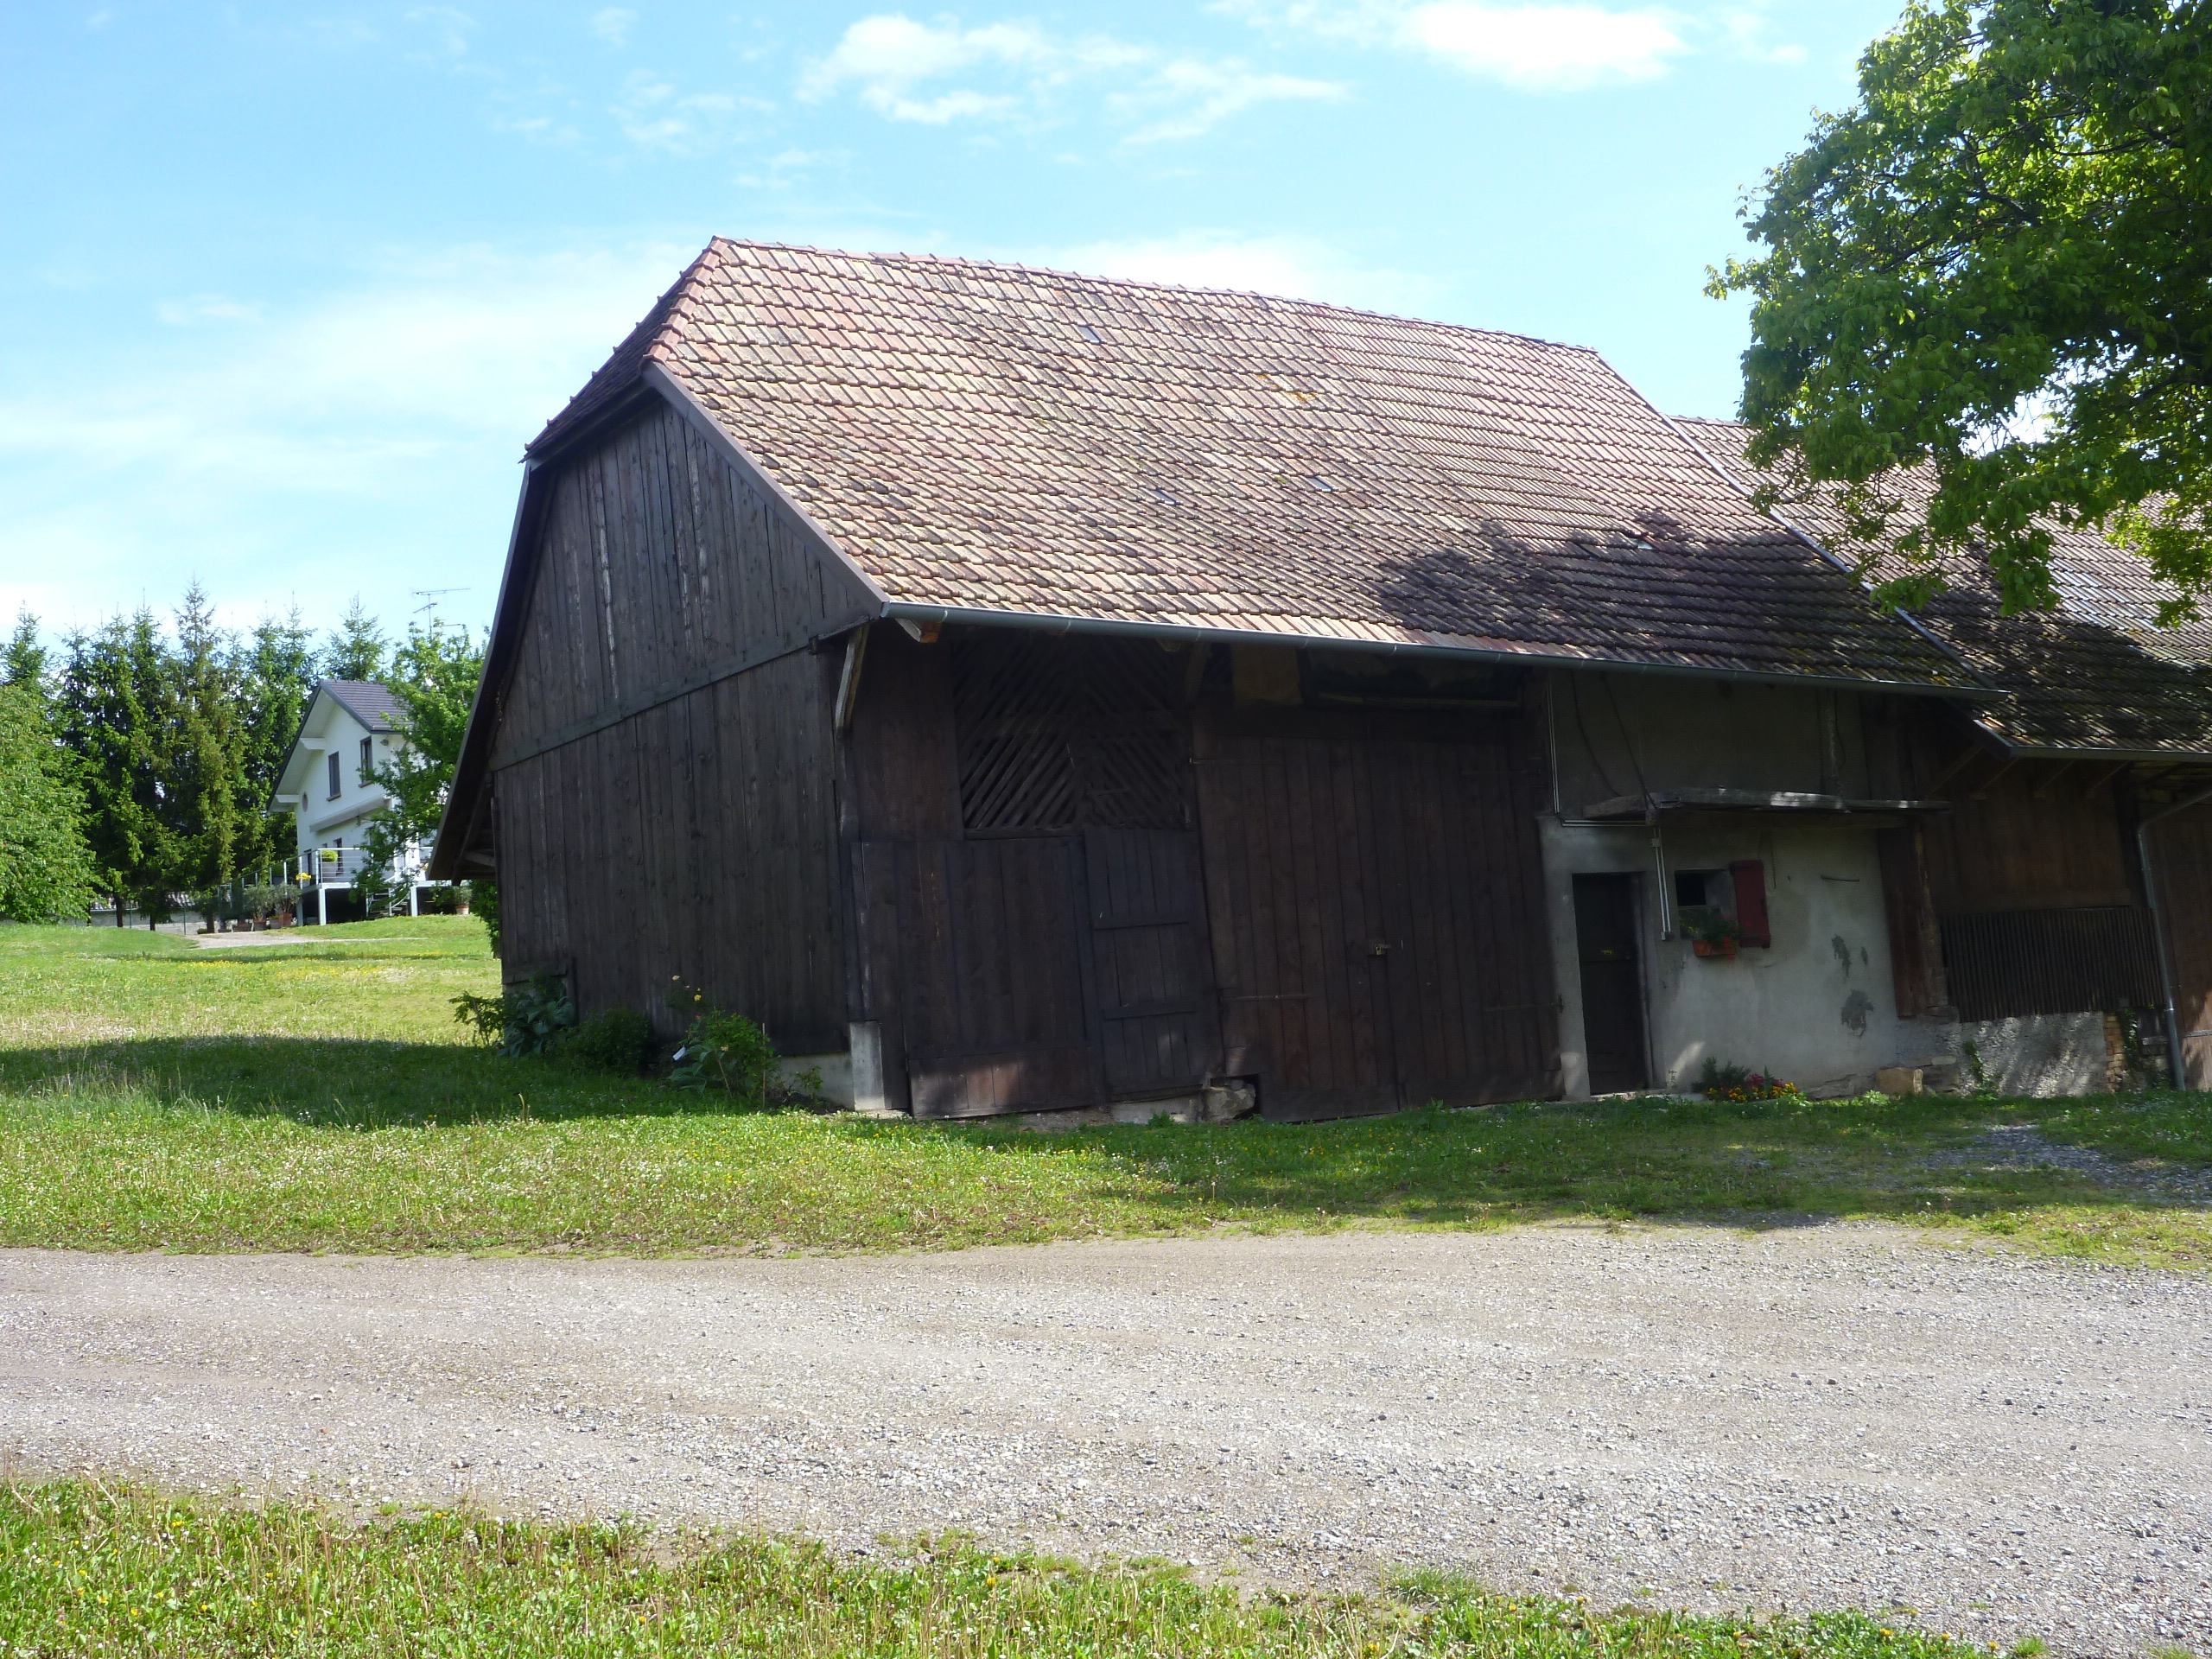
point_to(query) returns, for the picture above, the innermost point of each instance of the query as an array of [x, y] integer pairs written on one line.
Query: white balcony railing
[[336, 867]]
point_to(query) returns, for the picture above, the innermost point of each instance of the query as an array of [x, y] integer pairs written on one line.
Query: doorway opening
[[1612, 982]]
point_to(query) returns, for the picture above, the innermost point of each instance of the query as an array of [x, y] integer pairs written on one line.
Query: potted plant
[[1713, 934]]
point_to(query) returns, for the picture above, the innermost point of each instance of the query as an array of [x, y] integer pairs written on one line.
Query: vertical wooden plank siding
[[693, 840], [1375, 888], [2181, 864]]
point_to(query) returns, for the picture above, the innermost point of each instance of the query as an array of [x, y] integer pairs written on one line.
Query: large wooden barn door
[[1055, 953], [1374, 887]]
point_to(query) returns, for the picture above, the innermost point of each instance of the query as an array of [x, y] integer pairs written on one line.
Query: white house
[[351, 726]]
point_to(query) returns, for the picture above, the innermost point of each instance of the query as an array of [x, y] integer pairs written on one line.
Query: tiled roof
[[998, 438], [369, 701], [2097, 673]]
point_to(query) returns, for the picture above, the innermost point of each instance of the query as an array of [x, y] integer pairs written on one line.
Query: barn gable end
[[664, 768]]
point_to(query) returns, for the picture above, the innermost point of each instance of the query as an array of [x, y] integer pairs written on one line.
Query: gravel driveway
[[1810, 1417]]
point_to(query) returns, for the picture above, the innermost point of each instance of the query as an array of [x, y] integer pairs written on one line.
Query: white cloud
[[1292, 266], [205, 308], [655, 115], [1743, 32], [1545, 48], [890, 61], [613, 24], [449, 29], [1542, 47], [365, 440], [1202, 94]]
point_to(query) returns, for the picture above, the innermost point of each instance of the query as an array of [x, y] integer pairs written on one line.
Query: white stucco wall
[[1817, 1007]]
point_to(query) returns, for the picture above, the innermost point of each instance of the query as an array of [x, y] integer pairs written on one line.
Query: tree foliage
[[276, 669], [433, 673], [112, 714], [174, 739], [1999, 263], [205, 797], [45, 869], [357, 646]]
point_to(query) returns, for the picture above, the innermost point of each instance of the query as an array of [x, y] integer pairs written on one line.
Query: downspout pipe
[[2174, 1073]]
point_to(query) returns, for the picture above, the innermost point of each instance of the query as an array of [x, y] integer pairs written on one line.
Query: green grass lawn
[[88, 1569], [318, 1096]]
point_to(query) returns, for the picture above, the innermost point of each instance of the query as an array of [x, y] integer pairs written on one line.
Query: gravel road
[[1810, 1417]]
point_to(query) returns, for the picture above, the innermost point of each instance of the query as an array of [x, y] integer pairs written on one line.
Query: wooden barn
[[1027, 692]]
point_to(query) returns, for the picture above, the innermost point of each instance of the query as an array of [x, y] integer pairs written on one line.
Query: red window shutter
[[1751, 900]]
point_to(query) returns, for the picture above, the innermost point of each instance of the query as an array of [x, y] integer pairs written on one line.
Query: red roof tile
[[1231, 462]]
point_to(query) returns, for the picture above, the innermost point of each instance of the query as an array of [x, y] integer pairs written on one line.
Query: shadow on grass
[[336, 1082], [1760, 1164]]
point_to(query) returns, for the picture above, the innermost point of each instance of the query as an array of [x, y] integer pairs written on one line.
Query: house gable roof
[[997, 439], [369, 704], [2096, 675]]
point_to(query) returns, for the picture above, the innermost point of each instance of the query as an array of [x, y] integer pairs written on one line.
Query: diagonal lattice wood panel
[[1061, 734]]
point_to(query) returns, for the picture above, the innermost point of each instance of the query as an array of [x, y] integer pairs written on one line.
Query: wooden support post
[[849, 680], [2051, 782]]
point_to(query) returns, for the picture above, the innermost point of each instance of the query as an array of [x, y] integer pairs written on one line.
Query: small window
[[1091, 333], [368, 757], [1697, 887], [333, 775], [1702, 901]]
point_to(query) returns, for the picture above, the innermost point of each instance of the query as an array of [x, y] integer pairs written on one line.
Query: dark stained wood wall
[[1032, 967], [2026, 835], [661, 819], [2181, 861], [1375, 888]]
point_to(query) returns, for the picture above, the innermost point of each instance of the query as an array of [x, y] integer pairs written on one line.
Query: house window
[[366, 761], [1707, 900], [333, 774]]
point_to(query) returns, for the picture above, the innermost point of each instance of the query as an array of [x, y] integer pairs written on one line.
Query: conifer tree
[[357, 647], [111, 710], [200, 767], [45, 869], [274, 670], [24, 660]]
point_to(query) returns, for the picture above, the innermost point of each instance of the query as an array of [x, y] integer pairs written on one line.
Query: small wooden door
[[1612, 982], [1151, 978]]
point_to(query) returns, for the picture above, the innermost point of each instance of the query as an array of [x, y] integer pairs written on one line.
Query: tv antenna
[[430, 596]]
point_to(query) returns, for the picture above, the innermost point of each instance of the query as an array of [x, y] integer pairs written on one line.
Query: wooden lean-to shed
[[1050, 691]]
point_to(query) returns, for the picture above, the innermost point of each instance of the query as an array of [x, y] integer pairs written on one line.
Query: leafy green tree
[[45, 869], [357, 647], [1999, 263], [112, 711], [434, 674], [274, 670]]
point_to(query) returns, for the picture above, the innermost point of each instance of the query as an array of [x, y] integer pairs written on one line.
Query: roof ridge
[[965, 262]]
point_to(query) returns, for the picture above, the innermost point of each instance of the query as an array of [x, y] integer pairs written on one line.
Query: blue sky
[[288, 286]]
